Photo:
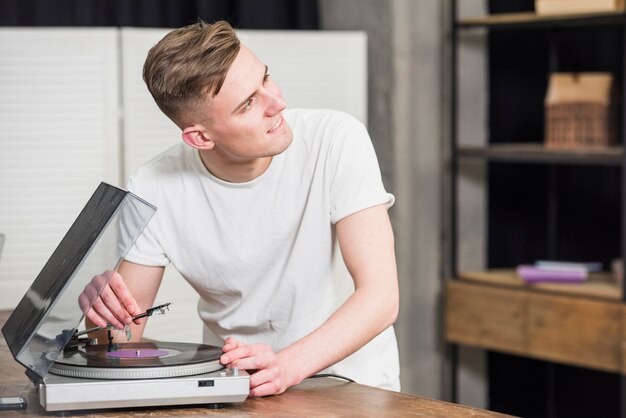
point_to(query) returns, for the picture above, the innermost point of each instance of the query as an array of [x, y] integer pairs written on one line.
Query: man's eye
[[247, 105], [267, 76]]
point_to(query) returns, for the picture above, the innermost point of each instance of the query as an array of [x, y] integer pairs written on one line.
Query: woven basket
[[581, 111], [580, 125]]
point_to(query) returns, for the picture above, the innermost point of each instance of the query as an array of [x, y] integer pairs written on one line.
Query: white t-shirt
[[262, 255]]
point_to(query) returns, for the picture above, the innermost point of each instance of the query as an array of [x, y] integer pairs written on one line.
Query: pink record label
[[137, 353]]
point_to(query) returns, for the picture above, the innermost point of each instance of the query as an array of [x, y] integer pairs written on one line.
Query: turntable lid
[[47, 316]]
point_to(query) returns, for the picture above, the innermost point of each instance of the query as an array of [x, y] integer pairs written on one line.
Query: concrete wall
[[472, 221], [408, 80]]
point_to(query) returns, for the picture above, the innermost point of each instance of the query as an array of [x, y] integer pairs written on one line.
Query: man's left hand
[[268, 370]]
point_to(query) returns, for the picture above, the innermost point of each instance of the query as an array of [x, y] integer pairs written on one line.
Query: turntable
[[74, 373]]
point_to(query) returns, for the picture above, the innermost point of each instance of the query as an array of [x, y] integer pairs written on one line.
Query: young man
[[253, 208]]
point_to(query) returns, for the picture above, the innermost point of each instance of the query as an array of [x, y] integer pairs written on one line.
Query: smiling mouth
[[277, 125]]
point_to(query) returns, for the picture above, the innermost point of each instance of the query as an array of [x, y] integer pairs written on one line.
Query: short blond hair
[[188, 65]]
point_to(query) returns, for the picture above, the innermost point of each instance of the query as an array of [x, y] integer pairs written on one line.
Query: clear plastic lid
[[47, 316]]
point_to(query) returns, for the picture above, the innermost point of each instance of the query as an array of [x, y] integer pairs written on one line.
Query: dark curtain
[[242, 14]]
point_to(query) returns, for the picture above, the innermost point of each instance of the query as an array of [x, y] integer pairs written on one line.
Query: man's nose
[[275, 103]]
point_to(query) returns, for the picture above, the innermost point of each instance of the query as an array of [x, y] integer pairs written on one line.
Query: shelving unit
[[583, 325]]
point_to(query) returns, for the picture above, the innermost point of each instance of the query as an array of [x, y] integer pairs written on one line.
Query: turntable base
[[60, 393]]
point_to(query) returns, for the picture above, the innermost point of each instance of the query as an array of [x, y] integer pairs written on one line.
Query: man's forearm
[[364, 315], [367, 246]]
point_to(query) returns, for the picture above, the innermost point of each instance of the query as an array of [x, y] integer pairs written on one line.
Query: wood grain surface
[[598, 285], [527, 321], [319, 397]]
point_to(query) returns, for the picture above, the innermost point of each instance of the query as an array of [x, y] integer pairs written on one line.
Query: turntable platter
[[139, 361]]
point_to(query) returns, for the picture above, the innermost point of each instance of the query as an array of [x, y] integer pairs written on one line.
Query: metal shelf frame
[[531, 153], [535, 153]]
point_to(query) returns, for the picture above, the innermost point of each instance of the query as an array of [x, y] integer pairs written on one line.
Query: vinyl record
[[139, 361]]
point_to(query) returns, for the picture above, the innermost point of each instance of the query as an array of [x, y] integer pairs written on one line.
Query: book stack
[[556, 271]]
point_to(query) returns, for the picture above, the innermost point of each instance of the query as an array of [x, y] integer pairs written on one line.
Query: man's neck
[[234, 171]]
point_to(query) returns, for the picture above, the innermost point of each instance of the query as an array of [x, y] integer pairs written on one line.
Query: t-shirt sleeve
[[355, 179], [146, 250]]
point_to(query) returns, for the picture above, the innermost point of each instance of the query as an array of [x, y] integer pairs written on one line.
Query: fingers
[[107, 299], [90, 313], [266, 382], [234, 350], [109, 307], [260, 361], [230, 343], [89, 297], [124, 298], [250, 357], [92, 291]]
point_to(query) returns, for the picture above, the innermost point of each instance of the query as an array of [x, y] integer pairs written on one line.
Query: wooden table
[[325, 397]]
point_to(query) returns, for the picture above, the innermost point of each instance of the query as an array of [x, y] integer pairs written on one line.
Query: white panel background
[[59, 137], [60, 131]]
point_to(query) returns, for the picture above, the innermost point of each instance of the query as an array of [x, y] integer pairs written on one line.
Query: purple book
[[532, 274]]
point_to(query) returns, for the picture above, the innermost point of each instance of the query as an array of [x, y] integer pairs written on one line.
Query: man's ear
[[197, 138]]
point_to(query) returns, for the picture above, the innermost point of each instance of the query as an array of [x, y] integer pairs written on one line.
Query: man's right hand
[[107, 300]]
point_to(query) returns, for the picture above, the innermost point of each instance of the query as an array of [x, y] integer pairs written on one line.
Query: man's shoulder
[[317, 117], [324, 126], [173, 159], [170, 157]]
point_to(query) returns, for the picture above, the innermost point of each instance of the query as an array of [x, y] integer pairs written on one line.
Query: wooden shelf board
[[579, 331], [538, 153], [527, 19], [599, 285]]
